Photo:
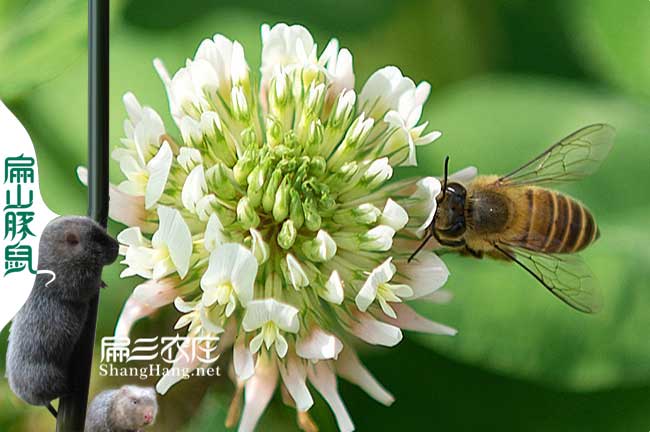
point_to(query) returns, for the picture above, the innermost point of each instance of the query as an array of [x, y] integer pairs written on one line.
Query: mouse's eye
[[134, 401], [72, 238]]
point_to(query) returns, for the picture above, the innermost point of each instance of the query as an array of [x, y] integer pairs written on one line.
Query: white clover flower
[[275, 225]]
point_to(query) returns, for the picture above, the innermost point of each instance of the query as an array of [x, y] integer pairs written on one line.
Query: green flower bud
[[246, 214], [287, 234], [249, 138], [281, 204], [239, 104], [271, 188], [343, 110], [210, 124], [279, 90], [312, 218], [256, 181], [314, 99], [243, 168], [358, 132], [219, 180], [226, 215], [314, 137], [295, 210], [365, 214], [317, 166], [273, 132], [188, 158], [378, 172]]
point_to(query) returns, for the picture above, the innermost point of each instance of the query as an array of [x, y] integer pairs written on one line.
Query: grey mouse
[[127, 409], [46, 329]]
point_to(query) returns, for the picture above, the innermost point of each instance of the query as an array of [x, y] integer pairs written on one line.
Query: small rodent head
[[77, 240], [134, 407]]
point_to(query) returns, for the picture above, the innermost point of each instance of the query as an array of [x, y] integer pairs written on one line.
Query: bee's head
[[449, 220]]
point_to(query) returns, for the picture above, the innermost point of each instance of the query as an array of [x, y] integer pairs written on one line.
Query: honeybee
[[517, 218]]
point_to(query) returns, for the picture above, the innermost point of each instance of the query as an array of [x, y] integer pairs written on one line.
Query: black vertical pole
[[72, 408]]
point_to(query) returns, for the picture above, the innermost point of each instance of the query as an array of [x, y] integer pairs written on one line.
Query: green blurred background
[[509, 78]]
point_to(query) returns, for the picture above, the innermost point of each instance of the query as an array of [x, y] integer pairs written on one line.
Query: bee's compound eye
[[72, 238]]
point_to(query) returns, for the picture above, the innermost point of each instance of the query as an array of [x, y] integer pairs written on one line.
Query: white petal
[[158, 168], [145, 300], [214, 234], [334, 289], [132, 237], [175, 233], [285, 317], [428, 138], [294, 374], [123, 208], [379, 238], [209, 319], [281, 346], [133, 107], [183, 306], [425, 274], [367, 294], [408, 319], [188, 158], [259, 390], [298, 276], [194, 188], [427, 190], [394, 215], [259, 247], [440, 296], [318, 345], [393, 118], [256, 343], [243, 359], [184, 360], [349, 367], [190, 130], [324, 379], [326, 245], [238, 67], [231, 263], [465, 175], [259, 312], [375, 332], [381, 274]]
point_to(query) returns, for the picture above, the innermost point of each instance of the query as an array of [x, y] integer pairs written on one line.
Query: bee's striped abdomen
[[555, 223]]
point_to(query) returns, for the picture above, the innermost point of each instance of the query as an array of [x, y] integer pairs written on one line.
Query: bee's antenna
[[444, 182], [426, 239], [433, 221]]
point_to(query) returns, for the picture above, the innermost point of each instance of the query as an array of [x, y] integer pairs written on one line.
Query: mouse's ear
[[72, 237]]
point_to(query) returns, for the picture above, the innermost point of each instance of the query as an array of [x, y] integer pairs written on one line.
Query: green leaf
[[38, 40], [506, 320], [614, 40]]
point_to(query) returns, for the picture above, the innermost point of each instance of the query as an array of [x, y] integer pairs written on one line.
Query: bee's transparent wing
[[574, 157], [567, 276]]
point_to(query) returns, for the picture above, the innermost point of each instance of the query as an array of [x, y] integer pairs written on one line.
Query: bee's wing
[[574, 157], [567, 276]]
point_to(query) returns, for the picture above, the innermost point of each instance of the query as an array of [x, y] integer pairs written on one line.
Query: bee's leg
[[474, 253]]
